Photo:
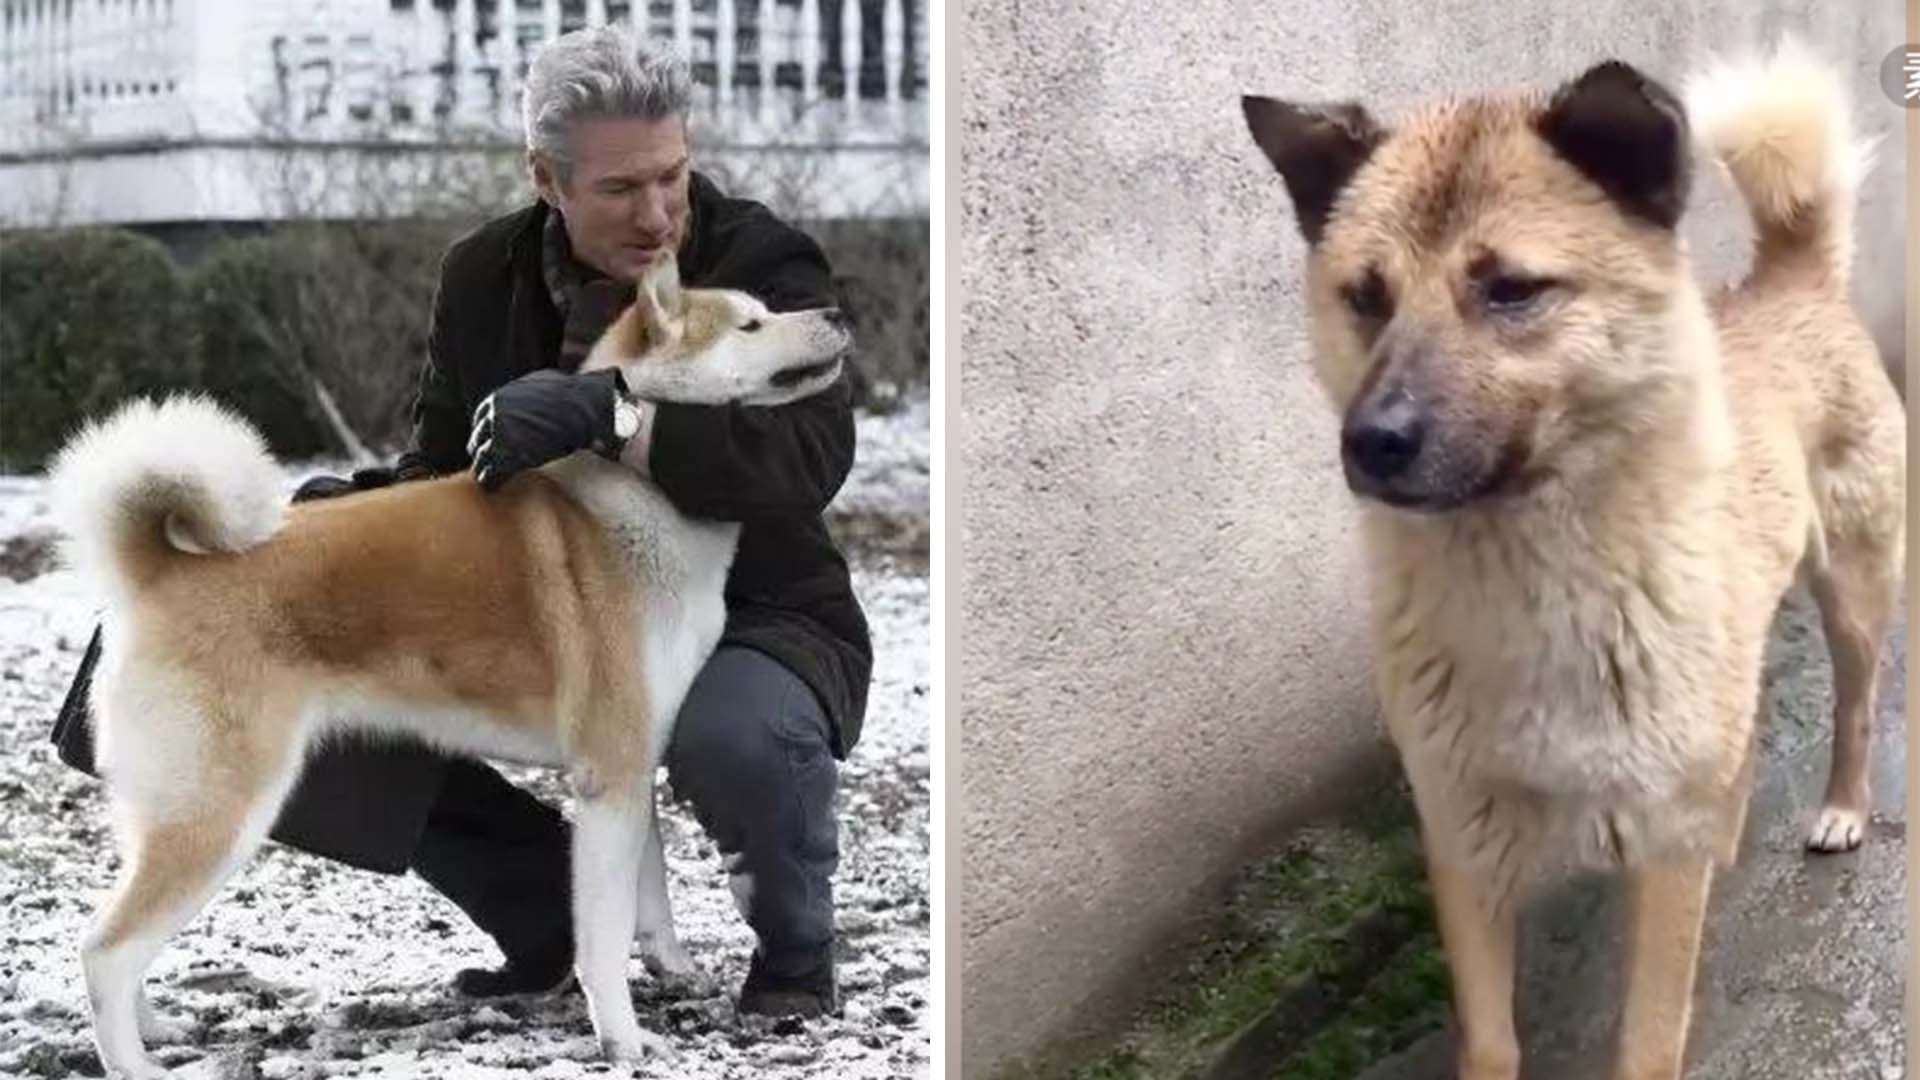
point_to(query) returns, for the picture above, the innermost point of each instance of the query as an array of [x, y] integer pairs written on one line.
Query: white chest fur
[[680, 564]]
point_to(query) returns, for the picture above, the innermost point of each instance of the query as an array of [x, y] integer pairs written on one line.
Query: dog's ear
[[659, 299], [1316, 148], [1628, 134]]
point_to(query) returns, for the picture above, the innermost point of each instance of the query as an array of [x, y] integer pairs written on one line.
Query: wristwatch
[[626, 421]]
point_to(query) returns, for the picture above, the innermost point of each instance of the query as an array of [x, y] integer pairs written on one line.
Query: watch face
[[626, 420]]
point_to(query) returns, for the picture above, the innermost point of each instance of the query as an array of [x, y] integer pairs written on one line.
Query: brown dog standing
[[1587, 486]]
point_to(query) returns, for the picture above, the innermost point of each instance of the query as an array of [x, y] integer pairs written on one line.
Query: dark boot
[[501, 855], [809, 994], [542, 970]]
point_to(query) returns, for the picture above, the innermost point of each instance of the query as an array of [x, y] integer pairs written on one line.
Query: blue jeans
[[751, 753]]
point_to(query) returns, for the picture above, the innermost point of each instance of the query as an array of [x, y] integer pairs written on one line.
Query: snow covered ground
[[304, 968]]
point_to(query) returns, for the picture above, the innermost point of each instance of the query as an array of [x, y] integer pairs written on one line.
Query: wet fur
[[1626, 483]]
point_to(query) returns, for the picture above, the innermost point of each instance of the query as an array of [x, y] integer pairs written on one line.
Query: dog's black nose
[[838, 317], [1382, 442]]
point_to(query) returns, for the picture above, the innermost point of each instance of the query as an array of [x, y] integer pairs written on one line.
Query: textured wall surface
[[1162, 650]]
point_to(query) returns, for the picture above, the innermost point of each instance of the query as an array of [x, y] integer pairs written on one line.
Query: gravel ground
[[306, 968]]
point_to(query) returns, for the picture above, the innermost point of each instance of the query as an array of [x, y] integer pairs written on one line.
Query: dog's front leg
[[607, 837], [1669, 904], [1476, 928]]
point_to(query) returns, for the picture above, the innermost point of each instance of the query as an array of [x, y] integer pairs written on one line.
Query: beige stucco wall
[[1159, 650]]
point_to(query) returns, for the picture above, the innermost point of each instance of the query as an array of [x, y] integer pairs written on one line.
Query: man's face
[[626, 203]]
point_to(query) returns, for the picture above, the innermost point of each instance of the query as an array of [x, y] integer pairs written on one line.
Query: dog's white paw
[[157, 1030], [141, 1068], [641, 1045], [1837, 829], [666, 958]]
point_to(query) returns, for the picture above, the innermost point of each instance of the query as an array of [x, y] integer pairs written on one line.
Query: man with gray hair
[[521, 301]]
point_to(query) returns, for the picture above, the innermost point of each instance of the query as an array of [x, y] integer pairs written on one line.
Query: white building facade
[[184, 111]]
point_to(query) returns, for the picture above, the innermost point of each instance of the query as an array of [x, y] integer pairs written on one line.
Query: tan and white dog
[[559, 621], [1587, 485]]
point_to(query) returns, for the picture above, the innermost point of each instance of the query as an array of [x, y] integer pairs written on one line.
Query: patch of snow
[[890, 471]]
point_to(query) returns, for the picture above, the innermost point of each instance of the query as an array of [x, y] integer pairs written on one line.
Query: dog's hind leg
[[1669, 905], [660, 946], [1476, 929], [1855, 588], [180, 843], [608, 834]]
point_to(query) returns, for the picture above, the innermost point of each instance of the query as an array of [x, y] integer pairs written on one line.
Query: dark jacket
[[774, 469]]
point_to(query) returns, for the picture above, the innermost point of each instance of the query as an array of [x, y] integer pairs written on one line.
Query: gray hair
[[602, 71]]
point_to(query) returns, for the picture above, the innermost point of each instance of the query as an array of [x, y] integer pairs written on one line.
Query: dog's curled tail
[[150, 481], [1783, 127]]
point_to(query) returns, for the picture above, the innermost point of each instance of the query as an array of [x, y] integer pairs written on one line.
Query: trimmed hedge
[[87, 318], [883, 271], [244, 301], [91, 317]]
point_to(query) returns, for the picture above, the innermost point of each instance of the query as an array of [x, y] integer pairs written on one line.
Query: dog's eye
[[1368, 297], [750, 326], [1508, 292]]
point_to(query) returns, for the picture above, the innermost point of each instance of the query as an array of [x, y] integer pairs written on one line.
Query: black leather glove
[[322, 487], [328, 487], [540, 417]]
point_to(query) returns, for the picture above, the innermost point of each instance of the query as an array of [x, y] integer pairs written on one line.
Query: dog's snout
[[1381, 442], [838, 318]]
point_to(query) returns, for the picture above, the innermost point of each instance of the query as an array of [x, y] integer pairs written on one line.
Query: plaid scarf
[[588, 301]]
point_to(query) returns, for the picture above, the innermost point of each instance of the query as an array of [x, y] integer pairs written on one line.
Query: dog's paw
[[666, 959], [1838, 829], [141, 1068], [640, 1046], [157, 1030]]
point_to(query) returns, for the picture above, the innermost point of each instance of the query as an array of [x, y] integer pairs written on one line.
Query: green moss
[[1119, 1065], [1406, 999], [1288, 921]]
